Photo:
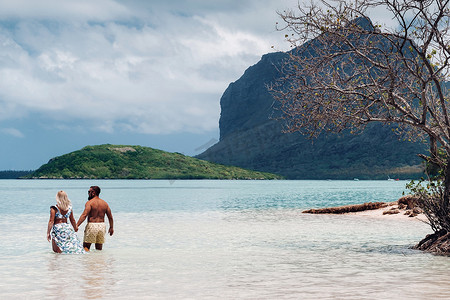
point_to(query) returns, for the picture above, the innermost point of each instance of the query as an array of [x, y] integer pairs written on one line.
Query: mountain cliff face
[[251, 138], [246, 103]]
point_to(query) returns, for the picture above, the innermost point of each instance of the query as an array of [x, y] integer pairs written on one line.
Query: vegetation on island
[[356, 72], [137, 162], [13, 174]]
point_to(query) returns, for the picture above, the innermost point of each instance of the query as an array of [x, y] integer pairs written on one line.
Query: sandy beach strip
[[382, 213], [388, 210]]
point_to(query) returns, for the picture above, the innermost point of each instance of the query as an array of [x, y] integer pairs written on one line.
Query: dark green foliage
[[430, 198], [136, 162], [10, 174], [375, 154]]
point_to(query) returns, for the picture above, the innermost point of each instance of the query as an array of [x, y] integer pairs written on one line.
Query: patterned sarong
[[66, 239]]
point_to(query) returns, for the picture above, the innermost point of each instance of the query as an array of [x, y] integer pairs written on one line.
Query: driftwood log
[[347, 208]]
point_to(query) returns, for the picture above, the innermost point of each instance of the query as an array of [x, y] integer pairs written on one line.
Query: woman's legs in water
[[55, 247]]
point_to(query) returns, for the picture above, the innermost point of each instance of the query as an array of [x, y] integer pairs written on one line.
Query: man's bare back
[[95, 210]]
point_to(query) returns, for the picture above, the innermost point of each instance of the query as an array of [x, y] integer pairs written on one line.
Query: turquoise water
[[218, 240]]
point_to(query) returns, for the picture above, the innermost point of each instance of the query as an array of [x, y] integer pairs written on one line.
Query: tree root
[[436, 243]]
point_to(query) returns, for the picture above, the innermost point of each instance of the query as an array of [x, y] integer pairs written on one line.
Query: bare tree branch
[[344, 72]]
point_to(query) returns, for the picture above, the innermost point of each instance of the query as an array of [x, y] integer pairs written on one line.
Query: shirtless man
[[95, 209]]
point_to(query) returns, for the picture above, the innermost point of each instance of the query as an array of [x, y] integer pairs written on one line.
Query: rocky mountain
[[251, 137]]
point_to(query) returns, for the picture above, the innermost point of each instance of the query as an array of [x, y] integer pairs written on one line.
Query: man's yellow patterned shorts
[[95, 233]]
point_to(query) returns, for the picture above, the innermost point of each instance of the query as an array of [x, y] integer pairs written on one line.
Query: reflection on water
[[98, 274], [89, 276]]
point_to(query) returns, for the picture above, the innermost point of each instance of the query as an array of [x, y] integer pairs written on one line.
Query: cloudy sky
[[150, 73]]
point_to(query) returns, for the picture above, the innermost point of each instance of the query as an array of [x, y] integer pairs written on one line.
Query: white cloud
[[143, 66], [13, 132], [63, 10], [112, 75]]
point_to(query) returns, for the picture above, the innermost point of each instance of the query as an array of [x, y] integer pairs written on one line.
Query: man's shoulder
[[101, 203]]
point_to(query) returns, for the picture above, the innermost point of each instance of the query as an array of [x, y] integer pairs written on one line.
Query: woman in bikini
[[59, 232]]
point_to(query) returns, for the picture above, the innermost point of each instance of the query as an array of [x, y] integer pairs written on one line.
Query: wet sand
[[383, 213]]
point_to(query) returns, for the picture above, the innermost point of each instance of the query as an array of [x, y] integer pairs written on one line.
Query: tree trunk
[[446, 198], [433, 150]]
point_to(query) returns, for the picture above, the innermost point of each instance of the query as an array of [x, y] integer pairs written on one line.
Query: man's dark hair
[[96, 190]]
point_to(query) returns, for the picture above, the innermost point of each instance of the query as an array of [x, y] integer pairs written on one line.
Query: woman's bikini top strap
[[59, 215]]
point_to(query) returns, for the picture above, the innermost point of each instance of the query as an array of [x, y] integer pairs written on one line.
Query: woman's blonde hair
[[63, 200]]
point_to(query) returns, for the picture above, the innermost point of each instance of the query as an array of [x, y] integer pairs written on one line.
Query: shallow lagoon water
[[218, 240]]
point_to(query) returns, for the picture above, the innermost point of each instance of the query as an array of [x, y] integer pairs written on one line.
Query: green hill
[[136, 162]]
